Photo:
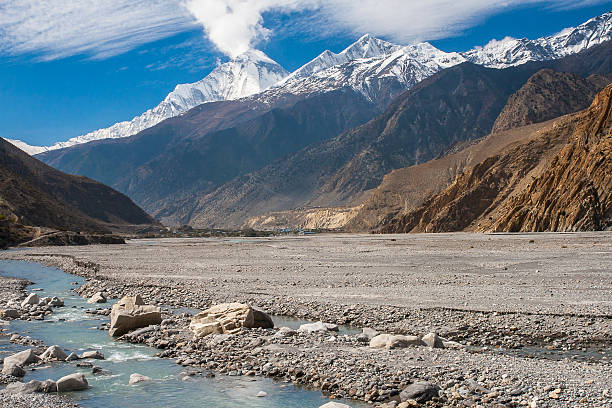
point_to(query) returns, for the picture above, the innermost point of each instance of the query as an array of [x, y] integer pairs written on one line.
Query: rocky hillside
[[457, 105], [405, 189], [559, 181], [34, 194], [548, 95]]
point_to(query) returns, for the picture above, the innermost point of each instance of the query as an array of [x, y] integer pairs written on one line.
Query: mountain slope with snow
[[511, 51], [247, 74]]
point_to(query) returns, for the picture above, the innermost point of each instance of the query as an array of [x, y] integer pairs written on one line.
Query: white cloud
[[102, 28], [98, 28], [236, 25]]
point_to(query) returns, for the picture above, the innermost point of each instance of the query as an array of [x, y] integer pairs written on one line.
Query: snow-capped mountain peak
[[512, 51], [365, 47], [245, 75]]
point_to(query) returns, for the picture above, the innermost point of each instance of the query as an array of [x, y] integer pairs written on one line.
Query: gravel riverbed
[[532, 313]]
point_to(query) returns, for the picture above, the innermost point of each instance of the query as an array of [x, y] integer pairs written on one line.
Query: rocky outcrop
[[228, 318], [131, 313], [558, 181], [574, 193], [548, 95]]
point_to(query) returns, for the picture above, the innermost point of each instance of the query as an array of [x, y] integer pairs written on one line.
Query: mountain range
[[327, 134], [378, 69]]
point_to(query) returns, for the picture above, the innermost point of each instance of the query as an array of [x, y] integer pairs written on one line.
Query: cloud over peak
[[53, 29]]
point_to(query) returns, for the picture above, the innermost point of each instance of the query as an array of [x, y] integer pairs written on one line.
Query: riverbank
[[533, 311]]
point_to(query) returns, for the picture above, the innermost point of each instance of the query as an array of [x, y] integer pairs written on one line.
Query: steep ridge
[[456, 105], [574, 193], [547, 95], [559, 181], [32, 193]]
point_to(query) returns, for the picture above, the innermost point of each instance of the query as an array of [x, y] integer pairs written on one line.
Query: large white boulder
[[390, 341], [317, 327], [22, 358], [228, 318], [97, 298], [131, 313], [54, 353], [72, 382]]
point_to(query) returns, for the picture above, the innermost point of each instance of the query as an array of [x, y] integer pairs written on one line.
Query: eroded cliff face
[[558, 181], [574, 192]]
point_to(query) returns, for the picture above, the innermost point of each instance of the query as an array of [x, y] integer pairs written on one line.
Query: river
[[74, 330]]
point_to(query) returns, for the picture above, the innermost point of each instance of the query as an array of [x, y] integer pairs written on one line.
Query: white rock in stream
[[138, 378], [54, 353], [32, 299], [72, 382], [97, 298], [334, 405], [22, 358]]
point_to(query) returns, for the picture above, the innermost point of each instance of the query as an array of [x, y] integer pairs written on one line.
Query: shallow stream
[[74, 330]]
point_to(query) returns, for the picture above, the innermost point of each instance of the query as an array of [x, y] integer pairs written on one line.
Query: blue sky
[[56, 88]]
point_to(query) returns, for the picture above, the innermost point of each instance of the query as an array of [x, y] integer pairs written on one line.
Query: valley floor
[[533, 312]]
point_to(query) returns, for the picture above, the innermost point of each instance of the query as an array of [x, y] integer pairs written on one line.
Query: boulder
[[54, 353], [317, 327], [72, 357], [92, 354], [10, 313], [72, 382], [131, 313], [334, 405], [228, 318], [13, 370], [56, 302], [138, 378], [25, 388], [97, 298], [433, 340], [44, 301], [420, 391], [394, 341], [32, 299], [47, 386], [22, 358], [371, 333], [262, 319]]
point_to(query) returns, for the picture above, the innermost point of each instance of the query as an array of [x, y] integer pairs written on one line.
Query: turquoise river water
[[74, 330]]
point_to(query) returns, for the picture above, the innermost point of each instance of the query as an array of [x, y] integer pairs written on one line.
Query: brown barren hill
[[548, 95], [34, 194], [559, 181]]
